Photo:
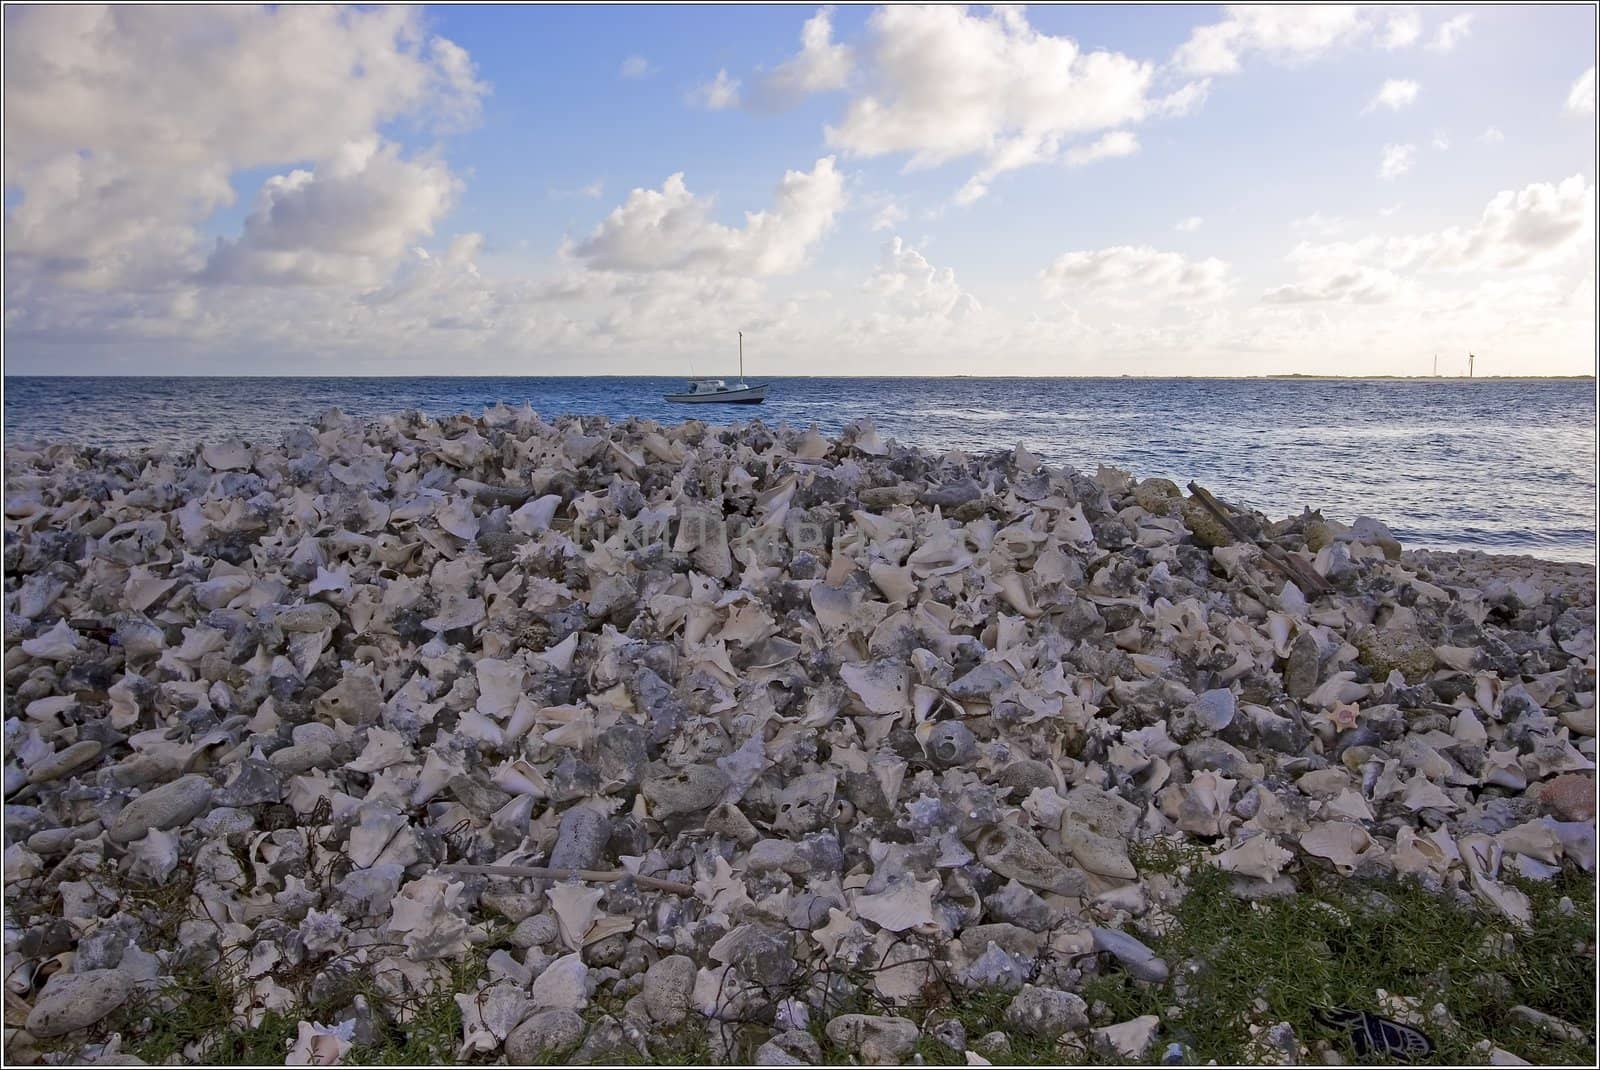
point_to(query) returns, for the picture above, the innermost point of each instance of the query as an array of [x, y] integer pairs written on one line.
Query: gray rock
[[996, 970], [767, 856], [1386, 650], [1302, 670], [950, 1033], [301, 757], [792, 1047], [982, 681], [1106, 856], [1215, 709], [684, 791], [1046, 1012], [1013, 851], [542, 1035], [1016, 941], [356, 699], [1024, 775], [536, 931], [994, 1045], [564, 984], [1281, 1038], [65, 761], [580, 839], [224, 821], [1376, 533], [168, 806], [1019, 905], [806, 804], [668, 986], [477, 792], [256, 782], [72, 1001], [1135, 957], [1548, 1024], [51, 842], [1127, 1040], [879, 1039]]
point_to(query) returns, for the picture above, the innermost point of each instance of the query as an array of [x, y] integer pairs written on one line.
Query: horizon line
[[638, 375]]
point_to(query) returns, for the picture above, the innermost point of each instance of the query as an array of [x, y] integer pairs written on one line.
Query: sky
[[1084, 190]]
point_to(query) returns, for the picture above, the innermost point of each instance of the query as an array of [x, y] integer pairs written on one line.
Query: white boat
[[718, 392]]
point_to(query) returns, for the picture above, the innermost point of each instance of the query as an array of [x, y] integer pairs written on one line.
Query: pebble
[[790, 1047], [580, 839], [1548, 1023], [1570, 796], [542, 1035], [882, 1040], [1128, 1040], [65, 761], [1135, 957], [1046, 1012], [950, 1033], [72, 1001], [668, 988], [993, 1045], [565, 984], [165, 807]]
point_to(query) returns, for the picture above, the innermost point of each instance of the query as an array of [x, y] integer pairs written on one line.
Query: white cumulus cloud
[[1137, 273], [1191, 224], [909, 285], [1397, 160], [636, 67], [1106, 147], [1580, 99], [1288, 33], [1331, 281], [943, 83], [888, 217], [1394, 94], [720, 93], [349, 221], [671, 229], [1451, 32], [1318, 224], [1538, 226], [821, 64], [126, 126]]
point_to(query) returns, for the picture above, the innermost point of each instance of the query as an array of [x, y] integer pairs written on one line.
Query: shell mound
[[707, 720]]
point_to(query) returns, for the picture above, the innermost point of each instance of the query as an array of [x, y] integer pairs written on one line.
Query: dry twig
[[597, 875]]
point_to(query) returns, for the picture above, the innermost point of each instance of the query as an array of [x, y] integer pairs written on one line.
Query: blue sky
[[1142, 190]]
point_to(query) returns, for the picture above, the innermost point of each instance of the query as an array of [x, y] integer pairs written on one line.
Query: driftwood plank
[[1296, 570]]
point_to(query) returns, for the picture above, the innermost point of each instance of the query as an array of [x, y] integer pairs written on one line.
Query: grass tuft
[[1235, 965]]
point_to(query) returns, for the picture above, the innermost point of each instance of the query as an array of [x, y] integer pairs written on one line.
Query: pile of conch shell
[[894, 717]]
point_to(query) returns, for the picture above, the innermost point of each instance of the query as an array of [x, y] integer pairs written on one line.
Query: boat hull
[[753, 395]]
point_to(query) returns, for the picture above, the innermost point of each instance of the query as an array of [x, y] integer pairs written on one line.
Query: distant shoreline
[[1280, 376]]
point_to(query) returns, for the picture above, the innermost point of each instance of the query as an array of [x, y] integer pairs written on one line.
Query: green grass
[[1339, 941], [1333, 945], [194, 1012], [1235, 965]]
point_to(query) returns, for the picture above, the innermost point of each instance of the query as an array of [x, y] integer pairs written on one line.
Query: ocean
[[1501, 466]]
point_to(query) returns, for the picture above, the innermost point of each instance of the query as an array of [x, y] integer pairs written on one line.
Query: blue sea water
[[1503, 466]]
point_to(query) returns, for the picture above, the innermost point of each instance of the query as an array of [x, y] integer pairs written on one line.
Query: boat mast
[[741, 358]]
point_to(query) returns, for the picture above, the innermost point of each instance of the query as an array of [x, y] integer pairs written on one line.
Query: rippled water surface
[[1505, 467]]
